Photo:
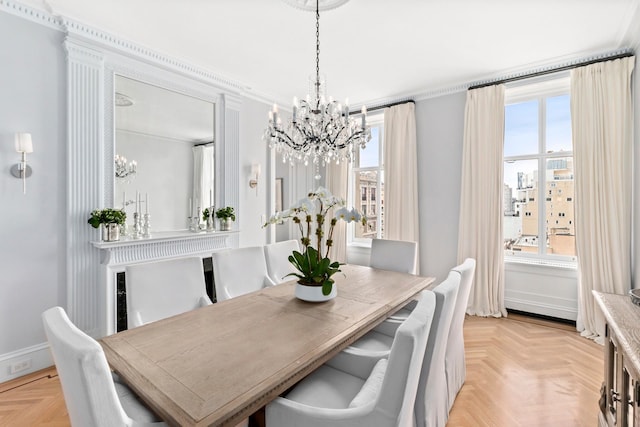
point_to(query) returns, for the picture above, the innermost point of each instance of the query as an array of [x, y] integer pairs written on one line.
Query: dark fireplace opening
[[121, 293]]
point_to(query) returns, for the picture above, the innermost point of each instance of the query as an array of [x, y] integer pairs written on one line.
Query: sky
[[521, 133]]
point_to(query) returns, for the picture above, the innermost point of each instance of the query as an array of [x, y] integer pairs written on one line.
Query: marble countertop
[[623, 317]]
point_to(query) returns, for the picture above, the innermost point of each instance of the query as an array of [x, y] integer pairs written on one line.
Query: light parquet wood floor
[[520, 372]]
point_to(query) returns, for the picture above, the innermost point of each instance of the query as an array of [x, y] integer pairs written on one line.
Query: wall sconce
[[255, 174], [22, 170]]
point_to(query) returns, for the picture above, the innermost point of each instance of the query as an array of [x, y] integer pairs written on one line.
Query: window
[[538, 158], [366, 178]]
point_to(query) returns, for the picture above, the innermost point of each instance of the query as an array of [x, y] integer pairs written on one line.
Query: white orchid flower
[[343, 214], [354, 215]]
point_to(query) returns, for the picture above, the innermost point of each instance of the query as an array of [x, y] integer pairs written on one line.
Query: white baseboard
[[552, 310], [33, 358]]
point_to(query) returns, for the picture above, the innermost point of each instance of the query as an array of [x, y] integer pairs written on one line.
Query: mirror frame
[[153, 80], [192, 90]]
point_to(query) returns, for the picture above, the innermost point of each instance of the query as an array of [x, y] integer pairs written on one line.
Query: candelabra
[[210, 223], [137, 226], [146, 225]]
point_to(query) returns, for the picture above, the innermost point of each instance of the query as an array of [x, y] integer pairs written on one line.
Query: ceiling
[[371, 50]]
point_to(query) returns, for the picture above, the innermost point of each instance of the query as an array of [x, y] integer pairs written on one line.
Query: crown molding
[[95, 37], [31, 14]]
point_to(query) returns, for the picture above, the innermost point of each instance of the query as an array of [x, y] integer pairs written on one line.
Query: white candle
[[210, 198], [146, 203], [190, 210], [124, 200], [137, 201]]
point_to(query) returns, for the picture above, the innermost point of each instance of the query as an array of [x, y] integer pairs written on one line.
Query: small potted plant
[[111, 220], [226, 216]]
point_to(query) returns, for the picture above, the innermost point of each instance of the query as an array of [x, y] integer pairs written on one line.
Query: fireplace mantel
[[167, 244]]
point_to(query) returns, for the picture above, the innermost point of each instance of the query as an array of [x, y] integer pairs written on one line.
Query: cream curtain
[[337, 183], [203, 176], [400, 173], [480, 226], [601, 118]]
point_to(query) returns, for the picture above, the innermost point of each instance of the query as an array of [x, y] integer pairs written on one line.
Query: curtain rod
[[379, 107], [551, 70]]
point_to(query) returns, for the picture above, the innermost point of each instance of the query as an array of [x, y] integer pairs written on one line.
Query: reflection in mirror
[[164, 151]]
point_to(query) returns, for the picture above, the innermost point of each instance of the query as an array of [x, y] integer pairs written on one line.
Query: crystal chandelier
[[320, 130], [124, 169]]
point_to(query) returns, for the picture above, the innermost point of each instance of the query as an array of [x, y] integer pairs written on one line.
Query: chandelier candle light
[[320, 130]]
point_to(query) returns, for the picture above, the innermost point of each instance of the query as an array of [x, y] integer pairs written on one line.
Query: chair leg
[[257, 419]]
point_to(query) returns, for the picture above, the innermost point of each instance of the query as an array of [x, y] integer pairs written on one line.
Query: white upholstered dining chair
[[160, 289], [92, 395], [432, 408], [239, 271], [355, 389], [394, 255], [277, 258], [454, 364]]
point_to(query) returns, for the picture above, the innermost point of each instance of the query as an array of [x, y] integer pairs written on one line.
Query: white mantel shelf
[[160, 245]]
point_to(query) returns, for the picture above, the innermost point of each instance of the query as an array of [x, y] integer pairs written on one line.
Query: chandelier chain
[[318, 50]]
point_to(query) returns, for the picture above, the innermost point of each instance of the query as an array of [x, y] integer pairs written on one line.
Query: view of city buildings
[[521, 210], [367, 197]]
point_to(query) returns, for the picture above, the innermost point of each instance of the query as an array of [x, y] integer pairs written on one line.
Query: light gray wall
[[32, 226], [439, 127], [253, 207]]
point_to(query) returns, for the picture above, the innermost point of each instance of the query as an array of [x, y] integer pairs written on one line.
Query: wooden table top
[[219, 364]]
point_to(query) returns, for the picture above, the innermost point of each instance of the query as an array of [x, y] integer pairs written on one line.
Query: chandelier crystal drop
[[320, 130]]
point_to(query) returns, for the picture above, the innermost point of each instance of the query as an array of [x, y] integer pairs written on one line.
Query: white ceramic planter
[[314, 293]]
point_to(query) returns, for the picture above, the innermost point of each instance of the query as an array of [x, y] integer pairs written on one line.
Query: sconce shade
[[256, 169], [24, 143]]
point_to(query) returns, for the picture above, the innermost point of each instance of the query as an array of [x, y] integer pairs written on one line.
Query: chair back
[[277, 258], [394, 255], [400, 384], [455, 366], [239, 271], [87, 385], [467, 271], [160, 289], [431, 406]]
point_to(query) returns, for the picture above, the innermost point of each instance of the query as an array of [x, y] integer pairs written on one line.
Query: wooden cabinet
[[621, 361]]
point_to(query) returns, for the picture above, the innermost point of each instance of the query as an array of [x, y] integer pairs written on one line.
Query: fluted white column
[[85, 68]]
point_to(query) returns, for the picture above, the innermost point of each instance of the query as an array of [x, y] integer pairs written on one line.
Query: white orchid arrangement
[[314, 268], [302, 213]]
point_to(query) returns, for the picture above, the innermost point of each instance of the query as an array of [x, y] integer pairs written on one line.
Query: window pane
[[520, 206], [561, 236], [559, 124], [521, 128], [367, 182], [369, 156]]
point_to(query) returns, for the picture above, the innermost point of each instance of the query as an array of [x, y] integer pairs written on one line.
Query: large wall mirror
[[164, 141]]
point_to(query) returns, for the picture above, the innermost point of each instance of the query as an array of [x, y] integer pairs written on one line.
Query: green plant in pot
[[226, 215], [110, 219], [314, 265]]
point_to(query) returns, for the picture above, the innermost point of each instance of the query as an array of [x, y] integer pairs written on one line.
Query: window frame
[[373, 120], [539, 90]]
